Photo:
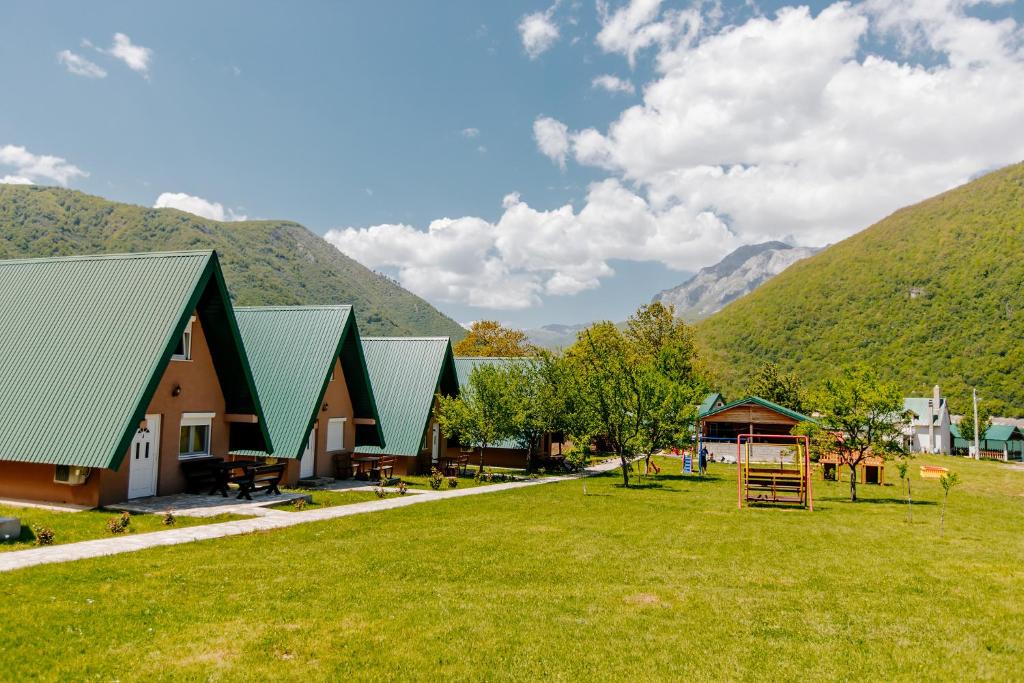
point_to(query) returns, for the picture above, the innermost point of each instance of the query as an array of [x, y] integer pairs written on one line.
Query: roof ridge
[[406, 338], [109, 257], [297, 307]]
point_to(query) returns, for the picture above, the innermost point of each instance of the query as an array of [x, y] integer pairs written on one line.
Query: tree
[[948, 481], [490, 339], [776, 386], [902, 466], [638, 389], [482, 412], [860, 416], [537, 399]]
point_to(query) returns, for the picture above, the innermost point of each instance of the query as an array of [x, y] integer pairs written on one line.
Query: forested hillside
[[932, 294], [265, 262]]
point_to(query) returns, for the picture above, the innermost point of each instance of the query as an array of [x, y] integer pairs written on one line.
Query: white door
[[308, 456], [336, 434], [435, 443], [144, 459]]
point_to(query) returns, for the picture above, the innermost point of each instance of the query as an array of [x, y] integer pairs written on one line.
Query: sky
[[534, 162]]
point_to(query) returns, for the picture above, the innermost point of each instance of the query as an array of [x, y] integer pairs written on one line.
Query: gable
[[106, 326], [406, 374], [293, 351], [755, 410]]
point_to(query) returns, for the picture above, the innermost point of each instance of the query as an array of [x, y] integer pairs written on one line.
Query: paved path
[[19, 559]]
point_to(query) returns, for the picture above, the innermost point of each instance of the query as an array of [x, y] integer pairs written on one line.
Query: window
[[183, 351], [194, 438]]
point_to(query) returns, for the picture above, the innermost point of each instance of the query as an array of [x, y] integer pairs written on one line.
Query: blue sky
[[375, 119]]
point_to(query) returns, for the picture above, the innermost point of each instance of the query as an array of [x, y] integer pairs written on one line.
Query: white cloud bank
[[539, 32], [32, 168], [136, 57], [196, 205], [781, 127], [79, 65]]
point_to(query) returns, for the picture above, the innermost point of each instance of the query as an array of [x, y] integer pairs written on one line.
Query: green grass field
[[666, 581], [327, 499], [86, 525]]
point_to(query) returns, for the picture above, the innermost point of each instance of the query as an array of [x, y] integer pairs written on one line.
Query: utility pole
[[977, 447]]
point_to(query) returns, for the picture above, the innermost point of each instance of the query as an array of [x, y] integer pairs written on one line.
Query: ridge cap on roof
[[297, 307], [406, 338], [110, 257]]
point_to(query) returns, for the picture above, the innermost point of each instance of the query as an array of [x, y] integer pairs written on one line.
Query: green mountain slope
[[933, 293], [265, 262]]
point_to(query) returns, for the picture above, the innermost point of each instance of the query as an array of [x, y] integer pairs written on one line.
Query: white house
[[928, 428]]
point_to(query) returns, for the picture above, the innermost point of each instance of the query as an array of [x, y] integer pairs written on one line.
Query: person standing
[[702, 460]]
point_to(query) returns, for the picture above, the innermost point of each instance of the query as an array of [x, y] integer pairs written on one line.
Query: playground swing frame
[[768, 480]]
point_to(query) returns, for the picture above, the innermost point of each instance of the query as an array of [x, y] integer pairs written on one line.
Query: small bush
[[453, 482], [117, 525], [44, 534], [403, 488], [380, 490], [436, 479], [299, 504], [168, 519]]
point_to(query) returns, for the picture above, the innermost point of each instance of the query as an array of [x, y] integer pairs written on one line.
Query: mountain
[[932, 294], [554, 336], [739, 273], [265, 262]]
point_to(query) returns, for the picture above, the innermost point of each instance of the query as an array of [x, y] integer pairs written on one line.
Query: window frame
[[190, 420], [186, 343]]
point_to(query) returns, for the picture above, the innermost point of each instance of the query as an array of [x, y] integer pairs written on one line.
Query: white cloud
[[15, 180], [134, 56], [552, 137], [539, 32], [196, 205], [470, 133], [613, 84], [796, 126], [37, 168], [79, 65]]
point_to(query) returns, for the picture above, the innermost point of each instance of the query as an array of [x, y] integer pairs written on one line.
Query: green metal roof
[[85, 342], [765, 403], [292, 351], [919, 407], [406, 374], [464, 367], [709, 404], [993, 433]]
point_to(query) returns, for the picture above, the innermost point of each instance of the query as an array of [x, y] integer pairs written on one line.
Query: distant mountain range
[[739, 273], [265, 262], [553, 336], [933, 294]]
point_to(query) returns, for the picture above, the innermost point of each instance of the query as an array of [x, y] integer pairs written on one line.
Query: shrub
[[402, 487], [578, 457], [453, 482], [436, 478], [299, 504], [117, 525], [168, 519], [44, 534], [380, 490]]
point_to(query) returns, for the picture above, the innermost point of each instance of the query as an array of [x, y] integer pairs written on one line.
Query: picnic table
[[358, 465], [227, 471], [213, 473]]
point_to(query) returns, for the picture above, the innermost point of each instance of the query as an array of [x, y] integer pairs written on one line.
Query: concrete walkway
[[19, 559]]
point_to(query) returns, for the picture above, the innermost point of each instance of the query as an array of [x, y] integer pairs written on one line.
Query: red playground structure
[[773, 468]]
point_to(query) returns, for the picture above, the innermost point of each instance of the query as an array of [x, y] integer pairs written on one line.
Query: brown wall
[[339, 404], [751, 414], [31, 481]]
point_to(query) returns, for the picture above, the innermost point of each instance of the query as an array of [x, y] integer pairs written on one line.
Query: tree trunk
[[942, 515], [625, 468], [853, 483], [481, 470], [910, 504]]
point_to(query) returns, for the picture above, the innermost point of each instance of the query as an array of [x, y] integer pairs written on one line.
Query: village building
[[999, 441], [721, 424], [313, 383], [928, 428], [407, 374], [116, 371]]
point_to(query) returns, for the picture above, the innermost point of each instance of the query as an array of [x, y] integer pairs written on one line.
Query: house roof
[[709, 403], [995, 432], [464, 367], [406, 374], [292, 350], [85, 342], [919, 407], [765, 403]]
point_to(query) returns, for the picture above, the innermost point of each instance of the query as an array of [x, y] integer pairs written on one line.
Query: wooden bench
[[453, 467], [385, 464], [202, 474], [259, 478]]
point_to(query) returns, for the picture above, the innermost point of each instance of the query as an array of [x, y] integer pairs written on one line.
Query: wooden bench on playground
[[259, 478], [775, 485], [383, 469]]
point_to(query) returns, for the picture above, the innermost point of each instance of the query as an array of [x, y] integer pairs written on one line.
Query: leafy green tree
[[482, 413], [783, 388], [537, 400], [489, 338], [902, 466], [949, 481], [860, 415]]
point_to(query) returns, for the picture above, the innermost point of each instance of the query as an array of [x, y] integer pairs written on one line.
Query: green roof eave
[[765, 403]]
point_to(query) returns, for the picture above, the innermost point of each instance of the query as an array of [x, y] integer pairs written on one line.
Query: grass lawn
[[668, 581], [69, 527], [466, 481], [327, 499]]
